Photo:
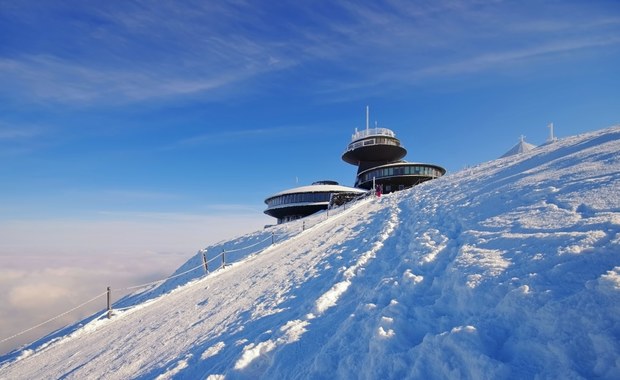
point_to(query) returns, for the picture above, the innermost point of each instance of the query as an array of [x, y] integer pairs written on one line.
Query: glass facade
[[298, 198], [373, 141], [404, 170]]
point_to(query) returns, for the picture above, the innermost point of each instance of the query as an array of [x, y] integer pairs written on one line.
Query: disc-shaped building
[[378, 155], [302, 201]]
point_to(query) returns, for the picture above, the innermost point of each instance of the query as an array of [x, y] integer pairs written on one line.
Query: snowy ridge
[[520, 147], [510, 269]]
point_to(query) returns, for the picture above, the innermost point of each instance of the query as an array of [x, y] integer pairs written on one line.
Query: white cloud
[[235, 136], [125, 232], [38, 287], [141, 52], [22, 138], [495, 60], [55, 79], [49, 266], [13, 133], [136, 194], [37, 297]]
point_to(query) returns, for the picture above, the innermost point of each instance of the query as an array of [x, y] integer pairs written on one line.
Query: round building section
[[373, 145], [378, 155], [302, 201], [398, 176]]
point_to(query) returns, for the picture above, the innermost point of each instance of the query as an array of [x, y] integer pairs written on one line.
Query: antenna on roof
[[367, 116], [551, 137]]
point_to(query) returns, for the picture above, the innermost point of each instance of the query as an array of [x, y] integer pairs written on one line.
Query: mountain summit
[[510, 269], [521, 147]]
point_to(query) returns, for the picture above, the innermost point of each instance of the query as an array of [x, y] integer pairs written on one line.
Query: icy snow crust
[[507, 270]]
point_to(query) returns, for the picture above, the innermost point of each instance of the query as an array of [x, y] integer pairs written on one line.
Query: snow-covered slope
[[520, 147], [510, 269]]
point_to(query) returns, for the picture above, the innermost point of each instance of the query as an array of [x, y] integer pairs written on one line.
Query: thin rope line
[[249, 246], [158, 281], [192, 269], [51, 319], [162, 280]]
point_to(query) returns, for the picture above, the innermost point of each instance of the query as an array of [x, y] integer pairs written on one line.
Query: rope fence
[[109, 290], [205, 265], [54, 318]]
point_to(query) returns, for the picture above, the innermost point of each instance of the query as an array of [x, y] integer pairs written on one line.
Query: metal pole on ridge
[[109, 303], [223, 257], [374, 186], [204, 261]]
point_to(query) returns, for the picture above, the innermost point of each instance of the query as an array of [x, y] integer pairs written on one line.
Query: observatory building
[[378, 154], [302, 201]]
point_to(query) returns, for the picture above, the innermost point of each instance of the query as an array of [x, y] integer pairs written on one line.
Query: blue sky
[[133, 133], [197, 107]]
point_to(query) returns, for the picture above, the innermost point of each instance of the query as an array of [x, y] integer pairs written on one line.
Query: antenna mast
[[367, 116], [551, 137]]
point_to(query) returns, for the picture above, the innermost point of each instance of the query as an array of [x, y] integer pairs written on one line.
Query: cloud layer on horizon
[[49, 266]]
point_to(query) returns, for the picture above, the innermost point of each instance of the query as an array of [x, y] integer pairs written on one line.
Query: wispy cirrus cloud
[[133, 52], [227, 136], [52, 79], [11, 132], [141, 51], [126, 194], [410, 43], [499, 59], [19, 138]]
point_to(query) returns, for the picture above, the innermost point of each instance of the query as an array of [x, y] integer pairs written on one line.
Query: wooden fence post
[[223, 257], [204, 261], [109, 303]]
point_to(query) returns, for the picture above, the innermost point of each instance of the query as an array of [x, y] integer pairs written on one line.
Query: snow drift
[[510, 269]]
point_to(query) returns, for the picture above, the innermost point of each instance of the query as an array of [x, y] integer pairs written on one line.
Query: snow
[[510, 269], [521, 147], [319, 189]]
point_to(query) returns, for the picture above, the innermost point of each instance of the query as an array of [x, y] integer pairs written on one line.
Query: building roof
[[320, 189], [358, 135], [403, 163], [521, 147]]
